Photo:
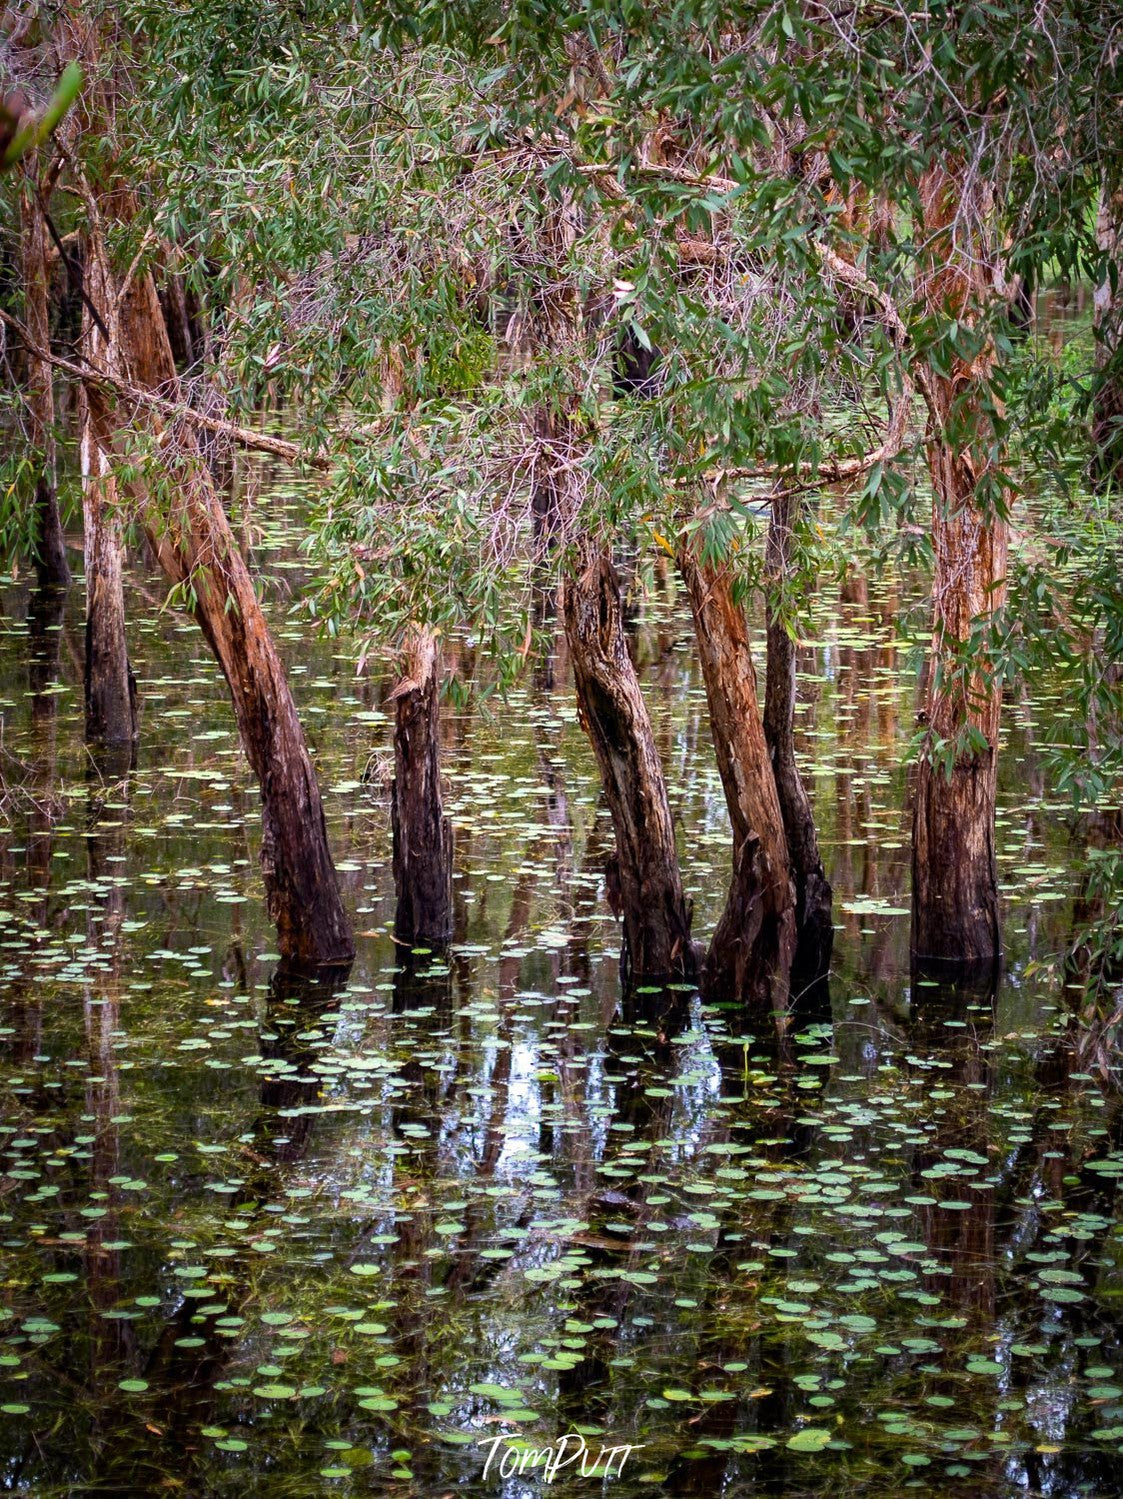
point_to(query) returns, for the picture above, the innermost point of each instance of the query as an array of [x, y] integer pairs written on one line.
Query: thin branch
[[842, 470], [851, 276], [244, 437], [836, 470], [659, 170], [74, 280]]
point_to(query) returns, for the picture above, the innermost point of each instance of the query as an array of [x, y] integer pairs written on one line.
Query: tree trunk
[[194, 545], [422, 833], [1107, 400], [812, 888], [750, 955], [955, 917], [51, 566], [110, 687], [657, 946]]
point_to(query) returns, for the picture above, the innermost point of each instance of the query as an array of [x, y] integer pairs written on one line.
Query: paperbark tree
[[955, 916], [191, 538], [815, 933], [52, 570], [110, 687], [656, 916], [422, 833], [751, 952]]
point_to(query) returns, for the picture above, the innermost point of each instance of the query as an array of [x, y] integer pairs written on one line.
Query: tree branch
[[245, 437], [836, 470]]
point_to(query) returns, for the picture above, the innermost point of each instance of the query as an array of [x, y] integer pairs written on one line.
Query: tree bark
[[812, 888], [110, 687], [422, 833], [1107, 399], [51, 568], [750, 955], [657, 946], [191, 538], [955, 915]]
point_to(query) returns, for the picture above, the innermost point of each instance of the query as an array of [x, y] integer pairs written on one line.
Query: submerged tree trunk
[[1107, 400], [750, 956], [191, 537], [422, 833], [657, 946], [955, 915], [110, 688], [812, 888], [51, 566], [955, 875]]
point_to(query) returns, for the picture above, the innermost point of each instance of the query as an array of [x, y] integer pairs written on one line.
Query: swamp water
[[259, 1241]]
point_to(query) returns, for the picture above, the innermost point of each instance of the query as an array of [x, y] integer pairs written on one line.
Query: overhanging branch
[[244, 437]]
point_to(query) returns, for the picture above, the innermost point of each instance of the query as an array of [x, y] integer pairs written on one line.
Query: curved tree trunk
[[196, 549], [110, 688], [750, 955], [657, 946], [422, 833], [51, 568], [955, 914], [812, 888]]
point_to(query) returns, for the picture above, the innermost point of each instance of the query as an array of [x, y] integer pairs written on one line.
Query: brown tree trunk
[[1107, 317], [750, 955], [955, 915], [51, 566], [194, 545], [657, 946], [812, 888], [422, 833], [110, 688]]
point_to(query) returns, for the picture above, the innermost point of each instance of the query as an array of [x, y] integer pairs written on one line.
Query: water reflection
[[326, 1241]]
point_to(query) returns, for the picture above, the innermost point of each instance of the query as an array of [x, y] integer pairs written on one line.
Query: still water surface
[[265, 1241]]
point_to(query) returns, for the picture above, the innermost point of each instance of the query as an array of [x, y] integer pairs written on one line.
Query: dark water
[[265, 1241]]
